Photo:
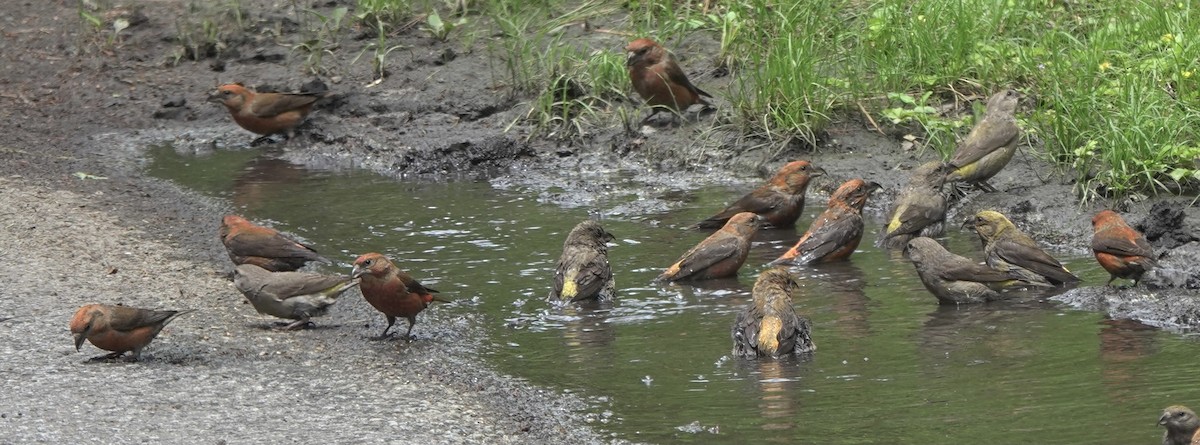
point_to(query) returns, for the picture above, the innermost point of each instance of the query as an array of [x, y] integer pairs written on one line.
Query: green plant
[[387, 12], [207, 29], [440, 29], [322, 39]]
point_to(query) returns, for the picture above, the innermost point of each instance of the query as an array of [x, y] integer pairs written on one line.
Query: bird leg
[[391, 321], [984, 186], [106, 357], [260, 141], [302, 323], [408, 334]]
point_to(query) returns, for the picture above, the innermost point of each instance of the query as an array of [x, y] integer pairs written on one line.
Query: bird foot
[[261, 141], [106, 357], [298, 325], [380, 337]]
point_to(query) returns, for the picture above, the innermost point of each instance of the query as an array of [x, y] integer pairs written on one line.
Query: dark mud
[[75, 104]]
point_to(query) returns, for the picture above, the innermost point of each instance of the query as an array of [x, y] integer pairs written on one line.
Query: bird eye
[[368, 263]]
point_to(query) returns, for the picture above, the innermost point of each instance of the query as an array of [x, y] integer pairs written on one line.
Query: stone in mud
[[1176, 269], [1164, 226]]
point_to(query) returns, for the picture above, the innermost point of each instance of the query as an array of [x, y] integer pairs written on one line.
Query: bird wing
[[127, 318], [286, 285], [591, 273], [745, 332], [274, 104], [760, 201], [916, 214], [1122, 246], [830, 234], [957, 268], [707, 254], [1034, 259], [676, 75], [982, 141], [270, 247]]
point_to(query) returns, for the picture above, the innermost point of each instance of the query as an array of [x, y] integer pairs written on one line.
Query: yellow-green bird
[[769, 327], [921, 208], [954, 279], [990, 145], [583, 272], [1006, 248]]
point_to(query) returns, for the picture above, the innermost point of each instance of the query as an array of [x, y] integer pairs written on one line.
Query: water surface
[[891, 366]]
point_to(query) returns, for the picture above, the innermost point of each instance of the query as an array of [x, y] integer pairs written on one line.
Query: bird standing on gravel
[[990, 145], [835, 234], [780, 200], [1006, 248], [291, 295], [265, 113], [583, 272], [119, 329], [921, 208], [1120, 249], [392, 291], [1183, 428], [720, 255], [249, 243], [769, 326], [659, 80]]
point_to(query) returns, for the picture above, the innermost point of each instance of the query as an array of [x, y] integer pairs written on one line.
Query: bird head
[[589, 232], [745, 223], [796, 174], [229, 222], [920, 248], [81, 323], [854, 193], [989, 224], [642, 51], [932, 173], [1004, 102], [232, 95], [777, 277], [1106, 218], [1178, 417], [373, 264]]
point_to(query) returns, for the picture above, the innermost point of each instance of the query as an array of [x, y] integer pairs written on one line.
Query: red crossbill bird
[[770, 326], [990, 145], [1120, 249], [119, 329], [1183, 428], [780, 200], [1006, 249], [392, 291], [291, 295], [954, 279], [656, 77], [249, 243], [583, 272], [921, 208], [720, 255], [265, 113], [835, 234]]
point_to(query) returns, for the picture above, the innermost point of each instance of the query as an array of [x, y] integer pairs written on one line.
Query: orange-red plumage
[[835, 234], [249, 243], [1120, 249], [392, 291], [780, 201], [119, 329], [720, 255], [265, 113], [656, 77]]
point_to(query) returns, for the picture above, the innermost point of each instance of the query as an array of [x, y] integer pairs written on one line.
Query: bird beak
[[967, 222], [630, 58], [1162, 420], [358, 272], [873, 186], [79, 338], [817, 171]]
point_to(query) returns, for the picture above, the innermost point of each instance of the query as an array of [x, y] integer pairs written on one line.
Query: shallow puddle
[[891, 366]]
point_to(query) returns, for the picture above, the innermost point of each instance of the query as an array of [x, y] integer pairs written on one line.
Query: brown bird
[[265, 113], [1119, 249], [835, 234], [1183, 428], [780, 200], [292, 295], [720, 255], [921, 208], [656, 77], [583, 272], [990, 145], [392, 291], [119, 329], [1006, 249], [249, 243], [770, 326], [954, 279]]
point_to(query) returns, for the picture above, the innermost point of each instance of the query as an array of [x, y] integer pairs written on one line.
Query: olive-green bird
[[1006, 248], [954, 279], [583, 272], [769, 327], [990, 145], [292, 295], [921, 208], [1183, 427]]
